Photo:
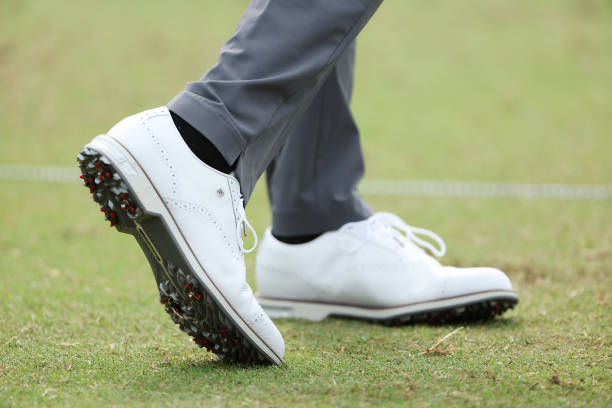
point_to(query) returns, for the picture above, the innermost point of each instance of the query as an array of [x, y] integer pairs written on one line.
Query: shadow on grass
[[333, 336], [203, 366], [494, 323]]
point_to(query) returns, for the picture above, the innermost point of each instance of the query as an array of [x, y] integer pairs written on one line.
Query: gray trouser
[[278, 99]]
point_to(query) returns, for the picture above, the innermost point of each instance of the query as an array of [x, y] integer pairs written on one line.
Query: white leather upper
[[205, 205], [367, 265]]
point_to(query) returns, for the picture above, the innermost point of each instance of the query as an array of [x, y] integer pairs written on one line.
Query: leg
[[267, 75], [361, 265], [312, 182], [188, 217]]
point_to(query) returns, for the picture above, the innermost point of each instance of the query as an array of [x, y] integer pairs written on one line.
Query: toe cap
[[462, 281], [268, 332]]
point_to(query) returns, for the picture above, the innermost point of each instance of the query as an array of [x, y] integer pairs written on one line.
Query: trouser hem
[[209, 119], [295, 222]]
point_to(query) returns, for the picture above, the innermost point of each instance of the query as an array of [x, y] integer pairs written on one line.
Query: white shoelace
[[241, 228], [391, 226]]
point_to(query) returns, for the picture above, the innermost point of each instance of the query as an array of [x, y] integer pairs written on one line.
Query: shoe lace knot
[[242, 224], [390, 228]]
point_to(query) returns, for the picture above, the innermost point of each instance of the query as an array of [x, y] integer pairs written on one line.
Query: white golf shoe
[[188, 218], [376, 270]]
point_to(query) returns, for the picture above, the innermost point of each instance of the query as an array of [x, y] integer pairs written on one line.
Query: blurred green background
[[497, 90], [485, 90]]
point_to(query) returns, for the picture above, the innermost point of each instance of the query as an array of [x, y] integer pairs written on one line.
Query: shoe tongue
[[392, 236], [388, 235]]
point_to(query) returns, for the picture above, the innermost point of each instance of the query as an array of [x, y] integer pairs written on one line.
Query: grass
[[498, 91]]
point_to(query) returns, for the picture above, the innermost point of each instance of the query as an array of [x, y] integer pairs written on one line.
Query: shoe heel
[[287, 309]]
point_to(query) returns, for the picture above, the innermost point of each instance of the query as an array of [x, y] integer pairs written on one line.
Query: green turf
[[490, 91]]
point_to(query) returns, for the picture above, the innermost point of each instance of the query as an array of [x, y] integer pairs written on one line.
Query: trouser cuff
[[212, 121]]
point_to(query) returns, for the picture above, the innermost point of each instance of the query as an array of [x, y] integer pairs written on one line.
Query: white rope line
[[483, 189], [49, 174], [62, 174]]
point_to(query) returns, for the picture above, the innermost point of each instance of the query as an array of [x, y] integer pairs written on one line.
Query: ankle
[[296, 239], [201, 146]]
